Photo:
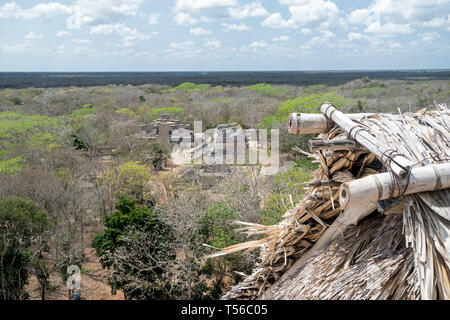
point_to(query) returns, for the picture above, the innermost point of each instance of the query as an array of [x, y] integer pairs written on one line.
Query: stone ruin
[[225, 137], [166, 129]]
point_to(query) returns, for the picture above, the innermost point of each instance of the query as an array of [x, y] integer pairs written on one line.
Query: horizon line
[[216, 71]]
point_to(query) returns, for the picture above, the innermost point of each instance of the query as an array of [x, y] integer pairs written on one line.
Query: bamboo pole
[[398, 163], [315, 123], [383, 186], [333, 145]]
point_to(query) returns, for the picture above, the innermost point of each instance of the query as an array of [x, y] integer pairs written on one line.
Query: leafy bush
[[125, 111], [158, 155], [127, 180], [87, 110], [16, 127], [173, 111], [191, 87], [17, 101], [369, 92], [308, 104], [10, 166], [126, 214], [267, 89], [217, 227], [289, 183], [218, 231]]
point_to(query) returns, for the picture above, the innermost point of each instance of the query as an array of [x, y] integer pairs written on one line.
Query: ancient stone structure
[[163, 128]]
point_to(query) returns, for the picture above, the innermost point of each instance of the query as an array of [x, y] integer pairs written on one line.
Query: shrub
[[10, 166], [127, 180], [218, 231], [267, 89], [85, 111], [17, 101], [125, 111], [191, 87], [308, 104], [289, 183]]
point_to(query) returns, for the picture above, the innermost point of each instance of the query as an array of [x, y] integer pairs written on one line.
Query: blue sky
[[223, 35]]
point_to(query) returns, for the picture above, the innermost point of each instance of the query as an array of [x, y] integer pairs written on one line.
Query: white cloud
[[102, 12], [80, 50], [20, 48], [81, 12], [213, 44], [63, 33], [281, 38], [354, 36], [234, 27], [153, 19], [182, 45], [199, 32], [306, 13], [388, 18], [129, 35], [429, 36], [318, 12], [81, 41], [12, 10], [306, 31], [276, 21], [185, 48], [359, 16], [388, 29], [144, 54], [328, 34], [184, 19], [205, 19], [258, 44], [196, 5], [32, 36], [394, 45], [262, 47], [409, 10], [254, 9]]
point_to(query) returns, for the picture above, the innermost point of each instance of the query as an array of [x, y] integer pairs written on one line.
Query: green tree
[[158, 155], [288, 186], [128, 180], [22, 229], [218, 231], [135, 246]]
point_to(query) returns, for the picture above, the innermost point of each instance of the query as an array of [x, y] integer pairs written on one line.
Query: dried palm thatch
[[371, 261], [421, 138]]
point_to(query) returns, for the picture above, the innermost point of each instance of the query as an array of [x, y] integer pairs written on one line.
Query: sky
[[223, 35]]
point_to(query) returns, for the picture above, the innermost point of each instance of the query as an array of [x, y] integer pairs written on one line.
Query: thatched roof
[[371, 261], [423, 138]]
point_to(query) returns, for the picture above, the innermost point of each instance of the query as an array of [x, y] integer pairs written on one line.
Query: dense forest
[[80, 186]]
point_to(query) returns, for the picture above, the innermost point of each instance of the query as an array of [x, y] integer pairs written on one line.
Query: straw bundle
[[370, 262], [417, 139]]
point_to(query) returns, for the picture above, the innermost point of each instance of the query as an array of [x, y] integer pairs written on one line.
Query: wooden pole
[[334, 144], [383, 186], [315, 123], [398, 163]]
